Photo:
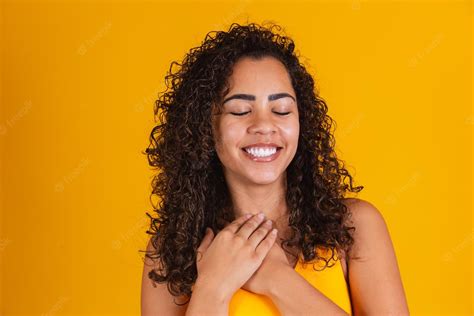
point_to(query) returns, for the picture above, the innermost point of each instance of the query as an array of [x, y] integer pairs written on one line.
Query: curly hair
[[189, 179]]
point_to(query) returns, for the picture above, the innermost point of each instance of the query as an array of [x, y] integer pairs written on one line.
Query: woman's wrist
[[208, 299], [277, 280]]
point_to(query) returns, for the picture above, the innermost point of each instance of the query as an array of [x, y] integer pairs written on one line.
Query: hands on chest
[[244, 255]]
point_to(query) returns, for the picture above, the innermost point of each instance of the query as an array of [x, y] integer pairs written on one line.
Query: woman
[[243, 131]]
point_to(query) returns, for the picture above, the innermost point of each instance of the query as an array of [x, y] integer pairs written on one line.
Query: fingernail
[[261, 215]]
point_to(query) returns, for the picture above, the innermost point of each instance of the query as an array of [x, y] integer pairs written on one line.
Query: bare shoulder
[[367, 220], [373, 272]]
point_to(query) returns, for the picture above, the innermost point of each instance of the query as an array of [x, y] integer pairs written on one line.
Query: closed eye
[[243, 113], [239, 114]]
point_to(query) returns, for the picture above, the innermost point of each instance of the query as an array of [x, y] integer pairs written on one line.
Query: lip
[[263, 159]]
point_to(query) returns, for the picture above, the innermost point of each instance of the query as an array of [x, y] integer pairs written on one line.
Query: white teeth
[[261, 152]]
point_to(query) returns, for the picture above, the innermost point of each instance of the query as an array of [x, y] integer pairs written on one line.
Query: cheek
[[291, 131], [231, 134]]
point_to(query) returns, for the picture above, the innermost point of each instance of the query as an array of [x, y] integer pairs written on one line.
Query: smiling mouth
[[263, 158], [244, 149]]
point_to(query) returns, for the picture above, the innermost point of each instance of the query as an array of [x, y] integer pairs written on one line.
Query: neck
[[254, 198]]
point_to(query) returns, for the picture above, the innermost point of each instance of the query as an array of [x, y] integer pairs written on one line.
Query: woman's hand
[[225, 262], [273, 262]]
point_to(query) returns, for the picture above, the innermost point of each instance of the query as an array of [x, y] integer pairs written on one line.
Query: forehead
[[254, 76]]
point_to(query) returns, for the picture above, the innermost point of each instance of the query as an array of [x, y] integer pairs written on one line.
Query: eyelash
[[243, 113]]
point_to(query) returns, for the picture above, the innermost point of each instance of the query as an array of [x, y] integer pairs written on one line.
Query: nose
[[262, 123]]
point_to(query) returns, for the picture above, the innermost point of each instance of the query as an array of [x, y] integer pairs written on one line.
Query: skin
[[258, 187], [245, 243], [375, 282]]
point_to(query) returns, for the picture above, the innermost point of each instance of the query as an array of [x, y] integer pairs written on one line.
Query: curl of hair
[[189, 180]]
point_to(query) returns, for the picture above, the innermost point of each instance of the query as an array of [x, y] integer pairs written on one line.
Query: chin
[[264, 179]]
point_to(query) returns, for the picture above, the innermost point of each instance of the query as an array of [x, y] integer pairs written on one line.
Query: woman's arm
[[293, 295], [157, 300], [205, 300], [375, 282]]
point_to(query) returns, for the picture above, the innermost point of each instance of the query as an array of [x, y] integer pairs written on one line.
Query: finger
[[250, 226], [260, 233], [206, 241], [235, 225], [264, 247]]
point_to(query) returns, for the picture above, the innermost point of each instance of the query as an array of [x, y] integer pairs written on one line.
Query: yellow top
[[330, 281]]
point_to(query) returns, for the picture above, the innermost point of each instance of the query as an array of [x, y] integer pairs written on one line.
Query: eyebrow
[[251, 97]]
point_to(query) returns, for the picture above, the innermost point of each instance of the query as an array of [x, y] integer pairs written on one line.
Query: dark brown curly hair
[[189, 180]]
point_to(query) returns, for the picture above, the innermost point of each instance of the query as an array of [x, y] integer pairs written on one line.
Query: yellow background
[[78, 84]]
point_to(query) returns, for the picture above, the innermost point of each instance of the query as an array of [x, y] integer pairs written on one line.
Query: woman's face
[[261, 89]]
